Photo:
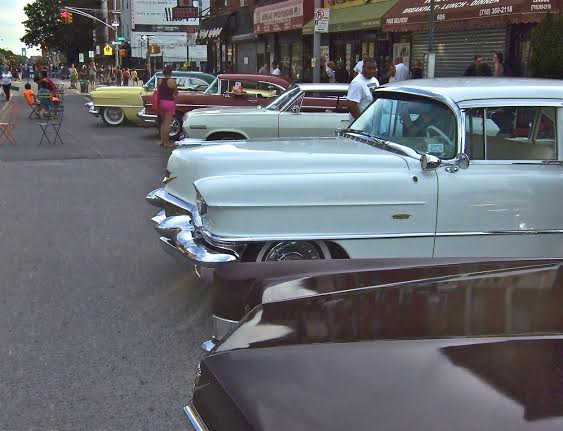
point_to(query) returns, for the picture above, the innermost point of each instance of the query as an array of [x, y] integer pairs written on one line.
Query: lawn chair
[[55, 121], [7, 124], [34, 106]]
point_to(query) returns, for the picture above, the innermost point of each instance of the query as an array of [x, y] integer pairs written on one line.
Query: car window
[[196, 82], [181, 82], [268, 86], [213, 87], [511, 133], [425, 125], [324, 101]]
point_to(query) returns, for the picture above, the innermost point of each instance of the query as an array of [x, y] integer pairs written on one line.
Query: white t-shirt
[[276, 71], [6, 78], [359, 67], [331, 75], [360, 92], [401, 73]]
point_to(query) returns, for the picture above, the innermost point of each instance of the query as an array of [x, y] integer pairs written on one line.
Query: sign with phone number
[[495, 11]]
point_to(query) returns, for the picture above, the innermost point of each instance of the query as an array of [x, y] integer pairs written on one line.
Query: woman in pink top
[[166, 106]]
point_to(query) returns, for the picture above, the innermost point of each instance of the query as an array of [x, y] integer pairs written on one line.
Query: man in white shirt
[[401, 71], [330, 66], [275, 69], [359, 65], [359, 92]]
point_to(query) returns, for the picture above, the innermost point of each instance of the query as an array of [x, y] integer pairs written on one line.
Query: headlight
[[201, 204]]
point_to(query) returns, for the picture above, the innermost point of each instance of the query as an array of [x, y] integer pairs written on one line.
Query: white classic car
[[302, 110], [441, 168]]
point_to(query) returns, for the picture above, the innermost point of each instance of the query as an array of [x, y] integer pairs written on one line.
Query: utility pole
[[317, 50], [147, 38], [430, 57]]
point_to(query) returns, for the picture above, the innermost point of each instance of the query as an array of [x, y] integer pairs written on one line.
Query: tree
[[44, 27], [547, 48]]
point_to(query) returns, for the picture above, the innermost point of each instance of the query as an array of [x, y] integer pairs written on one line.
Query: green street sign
[[121, 39]]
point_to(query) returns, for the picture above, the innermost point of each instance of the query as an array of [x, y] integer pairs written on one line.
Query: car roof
[[193, 74], [324, 87], [255, 77], [483, 88]]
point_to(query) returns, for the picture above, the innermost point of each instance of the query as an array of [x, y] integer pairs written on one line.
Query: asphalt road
[[99, 329]]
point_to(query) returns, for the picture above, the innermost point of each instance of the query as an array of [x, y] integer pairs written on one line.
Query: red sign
[[185, 12]]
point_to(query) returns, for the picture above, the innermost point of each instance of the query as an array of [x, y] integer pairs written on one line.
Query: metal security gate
[[455, 50]]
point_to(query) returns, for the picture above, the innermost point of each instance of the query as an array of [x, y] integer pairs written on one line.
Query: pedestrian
[[498, 64], [118, 76], [276, 69], [341, 74], [416, 71], [44, 97], [6, 82], [359, 66], [134, 77], [264, 70], [126, 76], [50, 85], [401, 72], [166, 105], [330, 66], [229, 67], [359, 92], [478, 67], [73, 76], [92, 75]]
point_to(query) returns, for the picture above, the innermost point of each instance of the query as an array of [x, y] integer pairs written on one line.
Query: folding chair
[[7, 125], [61, 91], [55, 121]]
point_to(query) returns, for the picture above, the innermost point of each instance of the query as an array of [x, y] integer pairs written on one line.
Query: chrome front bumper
[[179, 234], [194, 418], [92, 109], [147, 118]]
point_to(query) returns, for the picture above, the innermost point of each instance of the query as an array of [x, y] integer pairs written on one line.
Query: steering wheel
[[440, 133]]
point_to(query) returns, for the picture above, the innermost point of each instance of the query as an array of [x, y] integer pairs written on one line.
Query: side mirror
[[428, 162], [462, 161]]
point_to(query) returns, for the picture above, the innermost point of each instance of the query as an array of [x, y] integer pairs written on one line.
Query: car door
[[508, 201], [317, 117]]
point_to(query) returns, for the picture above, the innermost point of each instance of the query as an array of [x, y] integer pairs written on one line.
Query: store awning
[[354, 18], [413, 15], [211, 28]]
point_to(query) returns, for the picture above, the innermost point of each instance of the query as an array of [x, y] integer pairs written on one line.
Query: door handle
[[452, 169]]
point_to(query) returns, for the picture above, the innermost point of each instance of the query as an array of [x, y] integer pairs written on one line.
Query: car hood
[[290, 157], [118, 90], [477, 351]]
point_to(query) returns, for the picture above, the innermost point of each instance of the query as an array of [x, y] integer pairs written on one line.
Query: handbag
[[155, 100]]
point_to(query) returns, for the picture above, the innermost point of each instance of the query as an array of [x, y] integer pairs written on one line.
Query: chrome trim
[[208, 346], [221, 326], [92, 109], [234, 241], [198, 127], [495, 103], [159, 216], [159, 198], [187, 142], [147, 118], [178, 232], [194, 417]]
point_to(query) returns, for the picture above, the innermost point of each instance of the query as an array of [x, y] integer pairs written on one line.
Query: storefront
[[279, 28], [465, 28], [354, 29], [213, 33]]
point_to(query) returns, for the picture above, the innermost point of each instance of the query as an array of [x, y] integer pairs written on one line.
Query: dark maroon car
[[257, 90], [427, 346]]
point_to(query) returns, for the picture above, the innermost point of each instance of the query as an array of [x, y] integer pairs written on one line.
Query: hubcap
[[174, 127], [293, 250], [113, 115]]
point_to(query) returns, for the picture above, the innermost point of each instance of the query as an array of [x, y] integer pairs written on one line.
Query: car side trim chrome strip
[[194, 417], [217, 240]]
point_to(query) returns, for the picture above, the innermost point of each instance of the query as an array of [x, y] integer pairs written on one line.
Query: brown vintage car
[[418, 345], [257, 90]]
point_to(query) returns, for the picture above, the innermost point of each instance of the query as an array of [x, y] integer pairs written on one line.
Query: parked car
[[302, 110], [227, 90], [432, 168], [116, 105], [478, 348]]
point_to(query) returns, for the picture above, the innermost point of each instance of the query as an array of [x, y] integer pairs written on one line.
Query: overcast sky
[[11, 27]]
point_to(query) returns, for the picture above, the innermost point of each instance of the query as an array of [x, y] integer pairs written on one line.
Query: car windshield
[[151, 83], [283, 99], [422, 124], [212, 89]]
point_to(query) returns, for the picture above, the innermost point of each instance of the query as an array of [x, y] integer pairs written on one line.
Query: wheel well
[[224, 135], [251, 251], [336, 251]]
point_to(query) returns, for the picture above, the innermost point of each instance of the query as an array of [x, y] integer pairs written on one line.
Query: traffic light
[[69, 18], [64, 16]]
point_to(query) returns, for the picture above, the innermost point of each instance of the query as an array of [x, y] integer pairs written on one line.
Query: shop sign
[[321, 20], [341, 4], [90, 54], [277, 17], [210, 33], [80, 57]]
